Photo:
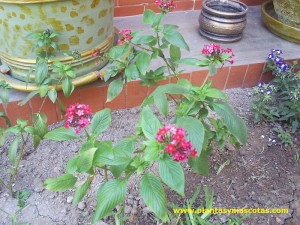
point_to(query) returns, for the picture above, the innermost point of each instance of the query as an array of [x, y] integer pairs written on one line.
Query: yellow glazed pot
[[288, 12], [84, 26]]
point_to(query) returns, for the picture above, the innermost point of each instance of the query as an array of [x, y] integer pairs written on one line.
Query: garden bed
[[261, 174]]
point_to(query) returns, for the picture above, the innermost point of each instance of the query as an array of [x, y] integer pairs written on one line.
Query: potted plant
[[82, 26]]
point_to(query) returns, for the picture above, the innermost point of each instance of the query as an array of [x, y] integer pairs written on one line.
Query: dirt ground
[[261, 174]]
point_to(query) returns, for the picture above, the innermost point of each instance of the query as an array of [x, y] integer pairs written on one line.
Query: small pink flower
[[78, 116], [165, 6], [125, 36], [175, 142]]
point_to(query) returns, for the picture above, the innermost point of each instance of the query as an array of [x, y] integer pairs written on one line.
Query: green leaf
[[100, 121], [40, 124], [149, 123], [62, 134], [4, 95], [154, 195], [212, 69], [161, 102], [174, 37], [171, 89], [132, 72], [36, 141], [61, 183], [114, 89], [72, 165], [200, 163], [67, 87], [149, 17], [234, 123], [12, 151], [41, 71], [172, 174], [175, 53], [52, 94], [152, 151], [81, 191], [142, 62], [28, 97], [85, 160], [215, 93], [43, 90], [117, 52], [110, 194], [104, 154], [195, 131]]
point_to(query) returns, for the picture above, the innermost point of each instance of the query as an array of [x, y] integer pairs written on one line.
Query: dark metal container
[[222, 20]]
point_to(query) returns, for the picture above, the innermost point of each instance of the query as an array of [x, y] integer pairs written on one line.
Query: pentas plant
[[188, 137], [279, 100]]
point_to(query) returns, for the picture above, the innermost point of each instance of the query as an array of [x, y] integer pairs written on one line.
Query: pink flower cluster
[[165, 6], [215, 50], [125, 36], [175, 142], [78, 116]]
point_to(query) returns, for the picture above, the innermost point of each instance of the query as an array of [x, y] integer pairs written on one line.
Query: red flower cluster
[[78, 116], [215, 50], [176, 143], [125, 36], [165, 6]]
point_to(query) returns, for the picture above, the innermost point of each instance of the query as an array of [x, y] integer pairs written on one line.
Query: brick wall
[[135, 7]]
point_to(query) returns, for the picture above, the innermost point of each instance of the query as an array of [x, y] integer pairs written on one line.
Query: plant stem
[[12, 180], [42, 105]]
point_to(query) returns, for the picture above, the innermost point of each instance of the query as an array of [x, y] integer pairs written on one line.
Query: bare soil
[[261, 174]]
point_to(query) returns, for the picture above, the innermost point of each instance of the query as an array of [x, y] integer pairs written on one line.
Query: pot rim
[[227, 14]]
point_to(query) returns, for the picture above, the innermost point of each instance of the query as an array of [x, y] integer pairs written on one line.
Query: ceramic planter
[[84, 25], [277, 27], [222, 20], [288, 12]]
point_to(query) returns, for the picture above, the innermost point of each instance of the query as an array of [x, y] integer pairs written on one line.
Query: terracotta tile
[[117, 103], [162, 82], [14, 111], [153, 7], [74, 98], [198, 77], [184, 5], [2, 121], [219, 79], [92, 96], [136, 93], [48, 108], [236, 76], [128, 10], [253, 75], [198, 5], [184, 76], [266, 77], [133, 2]]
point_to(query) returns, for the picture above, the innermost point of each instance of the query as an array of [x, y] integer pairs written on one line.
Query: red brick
[[198, 5], [186, 76], [128, 10], [14, 111], [136, 93], [133, 2], [219, 79], [92, 96], [199, 77], [253, 75], [266, 77], [236, 76]]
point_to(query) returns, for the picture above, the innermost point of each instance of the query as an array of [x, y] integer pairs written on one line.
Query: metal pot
[[221, 20]]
